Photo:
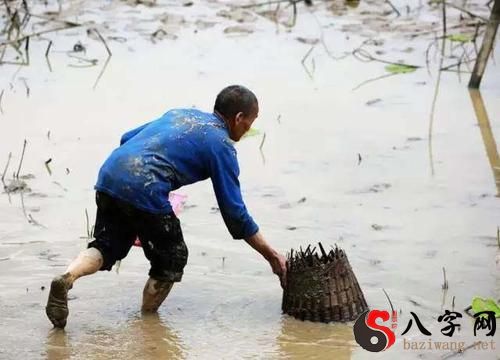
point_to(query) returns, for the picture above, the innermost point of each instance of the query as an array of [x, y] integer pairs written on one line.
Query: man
[[180, 148]]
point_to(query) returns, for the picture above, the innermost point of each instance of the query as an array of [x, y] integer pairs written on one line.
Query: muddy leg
[[154, 294], [88, 262]]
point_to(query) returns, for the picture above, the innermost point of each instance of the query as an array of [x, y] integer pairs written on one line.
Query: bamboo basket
[[322, 288]]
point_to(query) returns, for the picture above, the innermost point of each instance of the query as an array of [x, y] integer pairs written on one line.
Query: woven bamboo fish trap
[[322, 288]]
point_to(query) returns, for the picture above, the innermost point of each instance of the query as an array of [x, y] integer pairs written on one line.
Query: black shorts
[[117, 226]]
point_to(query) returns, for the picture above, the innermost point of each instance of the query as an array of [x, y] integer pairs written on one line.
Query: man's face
[[242, 123]]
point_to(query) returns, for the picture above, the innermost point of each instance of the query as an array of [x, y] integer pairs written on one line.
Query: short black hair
[[234, 99]]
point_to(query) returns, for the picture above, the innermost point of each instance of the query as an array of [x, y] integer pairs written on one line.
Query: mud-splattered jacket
[[180, 148]]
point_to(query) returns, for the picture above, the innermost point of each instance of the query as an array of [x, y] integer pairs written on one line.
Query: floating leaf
[[463, 38], [251, 132], [400, 68], [480, 304]]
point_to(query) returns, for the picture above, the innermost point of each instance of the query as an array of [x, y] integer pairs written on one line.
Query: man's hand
[[275, 259], [278, 264]]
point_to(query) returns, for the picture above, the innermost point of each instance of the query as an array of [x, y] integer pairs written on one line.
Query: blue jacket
[[180, 148]]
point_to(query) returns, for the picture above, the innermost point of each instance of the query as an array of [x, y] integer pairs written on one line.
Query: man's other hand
[[275, 259], [278, 264]]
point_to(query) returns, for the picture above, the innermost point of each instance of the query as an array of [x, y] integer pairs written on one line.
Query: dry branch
[[21, 160]]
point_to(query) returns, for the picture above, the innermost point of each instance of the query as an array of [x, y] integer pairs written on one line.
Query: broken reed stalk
[[24, 208], [445, 282], [486, 47], [6, 167], [309, 73], [1, 97], [389, 299], [47, 166], [322, 287], [49, 46], [498, 236], [101, 72], [436, 89], [102, 40], [262, 142], [21, 160], [395, 9]]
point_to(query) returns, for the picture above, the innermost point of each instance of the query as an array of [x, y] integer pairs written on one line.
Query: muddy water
[[400, 216]]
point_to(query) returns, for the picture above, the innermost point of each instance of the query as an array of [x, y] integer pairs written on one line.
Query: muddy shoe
[[57, 304]]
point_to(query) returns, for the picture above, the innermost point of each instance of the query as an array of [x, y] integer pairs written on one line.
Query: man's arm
[[275, 259], [224, 172]]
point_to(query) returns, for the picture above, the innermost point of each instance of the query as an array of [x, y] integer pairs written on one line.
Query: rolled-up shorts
[[117, 226]]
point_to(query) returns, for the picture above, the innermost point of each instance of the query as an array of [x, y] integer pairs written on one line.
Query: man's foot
[[57, 304], [154, 294]]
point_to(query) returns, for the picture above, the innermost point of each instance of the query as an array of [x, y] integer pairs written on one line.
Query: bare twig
[[432, 43], [102, 40], [101, 72], [395, 9], [448, 67], [436, 90], [445, 282], [23, 207], [22, 158], [444, 17], [47, 55], [47, 162], [373, 79], [389, 299], [27, 50], [304, 60], [6, 167], [262, 142], [1, 97], [365, 56], [27, 87], [32, 220], [48, 49]]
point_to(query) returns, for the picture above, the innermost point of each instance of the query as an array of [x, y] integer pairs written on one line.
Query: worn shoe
[[57, 303]]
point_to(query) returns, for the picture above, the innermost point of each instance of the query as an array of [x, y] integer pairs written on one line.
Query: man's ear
[[239, 117]]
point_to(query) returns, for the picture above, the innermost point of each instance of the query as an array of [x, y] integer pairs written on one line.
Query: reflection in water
[[308, 340], [58, 345], [488, 138], [145, 337]]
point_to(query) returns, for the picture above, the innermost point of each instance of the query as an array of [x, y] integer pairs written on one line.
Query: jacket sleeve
[[224, 172], [130, 134]]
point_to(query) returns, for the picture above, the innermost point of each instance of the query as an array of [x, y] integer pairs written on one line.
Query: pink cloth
[[177, 202]]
